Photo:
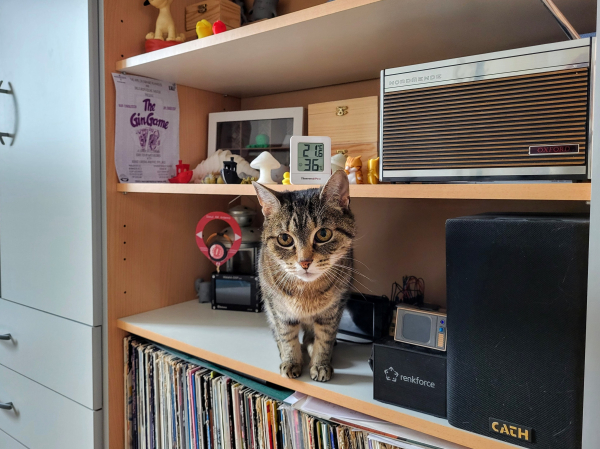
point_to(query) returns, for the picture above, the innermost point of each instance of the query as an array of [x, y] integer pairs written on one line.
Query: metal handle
[[13, 136], [5, 337], [6, 406]]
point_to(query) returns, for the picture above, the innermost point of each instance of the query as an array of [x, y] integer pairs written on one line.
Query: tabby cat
[[305, 270]]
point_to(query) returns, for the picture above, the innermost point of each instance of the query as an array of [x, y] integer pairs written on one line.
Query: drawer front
[[43, 419], [61, 354], [8, 442]]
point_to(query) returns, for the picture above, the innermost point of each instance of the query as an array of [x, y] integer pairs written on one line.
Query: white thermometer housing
[[310, 160]]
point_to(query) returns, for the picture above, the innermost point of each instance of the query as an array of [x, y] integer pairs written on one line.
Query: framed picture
[[249, 133]]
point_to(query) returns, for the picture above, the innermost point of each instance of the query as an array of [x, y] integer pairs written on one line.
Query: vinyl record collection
[[174, 403]]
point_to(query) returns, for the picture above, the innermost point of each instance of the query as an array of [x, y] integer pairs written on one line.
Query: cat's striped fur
[[304, 285]]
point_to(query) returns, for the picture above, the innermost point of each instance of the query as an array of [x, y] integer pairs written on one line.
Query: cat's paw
[[290, 370], [321, 373]]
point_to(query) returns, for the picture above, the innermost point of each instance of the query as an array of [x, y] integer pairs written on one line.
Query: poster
[[146, 129]]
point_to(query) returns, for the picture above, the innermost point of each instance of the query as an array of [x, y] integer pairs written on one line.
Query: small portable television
[[310, 159], [236, 292], [421, 327]]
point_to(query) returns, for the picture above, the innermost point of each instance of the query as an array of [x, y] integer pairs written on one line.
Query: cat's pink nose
[[306, 263]]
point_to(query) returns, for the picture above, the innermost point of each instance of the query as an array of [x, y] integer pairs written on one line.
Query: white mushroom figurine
[[265, 162]]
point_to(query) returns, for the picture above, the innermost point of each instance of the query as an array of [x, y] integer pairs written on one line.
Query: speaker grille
[[487, 124]]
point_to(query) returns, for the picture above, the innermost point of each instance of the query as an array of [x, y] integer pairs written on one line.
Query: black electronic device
[[517, 295], [366, 316], [409, 376], [236, 292]]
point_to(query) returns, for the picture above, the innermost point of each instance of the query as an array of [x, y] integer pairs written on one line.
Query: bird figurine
[[286, 179], [203, 29]]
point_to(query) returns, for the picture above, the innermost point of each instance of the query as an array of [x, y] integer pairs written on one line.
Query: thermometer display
[[311, 157]]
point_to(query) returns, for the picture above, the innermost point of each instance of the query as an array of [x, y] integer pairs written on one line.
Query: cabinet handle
[[13, 136], [6, 406], [5, 337]]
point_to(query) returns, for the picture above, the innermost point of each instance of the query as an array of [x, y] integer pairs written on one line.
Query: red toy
[[219, 27], [184, 174], [157, 44]]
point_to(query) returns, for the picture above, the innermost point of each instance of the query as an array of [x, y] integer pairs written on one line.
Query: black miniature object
[[263, 9], [229, 172]]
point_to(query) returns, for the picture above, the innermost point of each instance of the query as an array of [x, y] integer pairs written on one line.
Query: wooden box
[[212, 10], [352, 125]]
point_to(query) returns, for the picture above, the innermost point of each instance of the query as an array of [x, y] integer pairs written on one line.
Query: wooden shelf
[[352, 40], [242, 341], [541, 191]]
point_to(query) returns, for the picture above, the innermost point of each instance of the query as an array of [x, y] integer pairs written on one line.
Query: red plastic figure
[[184, 174], [219, 27]]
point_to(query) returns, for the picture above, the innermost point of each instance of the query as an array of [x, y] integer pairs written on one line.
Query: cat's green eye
[[323, 235], [285, 240]]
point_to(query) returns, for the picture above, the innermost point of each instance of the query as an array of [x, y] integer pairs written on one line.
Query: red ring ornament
[[237, 232]]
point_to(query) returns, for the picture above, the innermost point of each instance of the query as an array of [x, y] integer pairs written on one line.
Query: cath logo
[[391, 374]]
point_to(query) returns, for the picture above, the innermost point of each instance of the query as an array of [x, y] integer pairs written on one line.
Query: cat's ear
[[337, 189], [267, 198]]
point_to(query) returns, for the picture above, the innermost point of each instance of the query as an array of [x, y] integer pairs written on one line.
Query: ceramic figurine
[[354, 170], [229, 172], [204, 29], [286, 179], [214, 163], [265, 162], [338, 162], [373, 174], [165, 26], [263, 9]]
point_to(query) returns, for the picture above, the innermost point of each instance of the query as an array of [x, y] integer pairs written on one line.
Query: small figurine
[[263, 9], [249, 180], [262, 141], [219, 27], [286, 179], [214, 163], [338, 162], [204, 29], [373, 174], [165, 27], [229, 172], [184, 174], [265, 162], [354, 170], [209, 179]]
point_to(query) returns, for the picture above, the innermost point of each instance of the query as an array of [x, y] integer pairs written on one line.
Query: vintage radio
[[515, 114]]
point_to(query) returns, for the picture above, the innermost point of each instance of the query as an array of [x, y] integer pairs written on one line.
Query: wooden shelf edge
[[451, 434], [524, 192], [265, 26]]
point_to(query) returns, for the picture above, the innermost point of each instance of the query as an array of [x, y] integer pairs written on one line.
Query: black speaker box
[[410, 376], [517, 294]]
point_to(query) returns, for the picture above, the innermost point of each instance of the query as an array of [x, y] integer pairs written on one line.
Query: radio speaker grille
[[487, 124]]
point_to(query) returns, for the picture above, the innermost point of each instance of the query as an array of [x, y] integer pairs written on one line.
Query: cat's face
[[307, 232]]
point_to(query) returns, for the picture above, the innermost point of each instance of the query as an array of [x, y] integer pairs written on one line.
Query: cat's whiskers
[[356, 260], [335, 268]]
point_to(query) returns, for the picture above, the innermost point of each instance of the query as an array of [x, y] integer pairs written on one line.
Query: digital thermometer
[[310, 160]]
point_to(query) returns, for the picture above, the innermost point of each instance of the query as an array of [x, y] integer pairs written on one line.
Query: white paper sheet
[[146, 129]]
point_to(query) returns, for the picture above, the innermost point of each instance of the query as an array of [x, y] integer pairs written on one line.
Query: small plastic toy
[[204, 28], [184, 174], [354, 170], [164, 34], [263, 9], [262, 141], [214, 163], [373, 174], [229, 172], [286, 179], [219, 27], [265, 162], [338, 162]]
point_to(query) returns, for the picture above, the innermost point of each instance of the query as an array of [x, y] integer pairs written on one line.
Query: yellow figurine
[[354, 170], [286, 178], [203, 29], [165, 26], [373, 174]]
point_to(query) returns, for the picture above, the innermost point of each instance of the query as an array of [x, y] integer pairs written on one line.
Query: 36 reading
[[311, 157]]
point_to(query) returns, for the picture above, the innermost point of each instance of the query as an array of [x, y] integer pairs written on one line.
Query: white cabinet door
[[60, 354], [49, 189], [8, 442], [43, 419]]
